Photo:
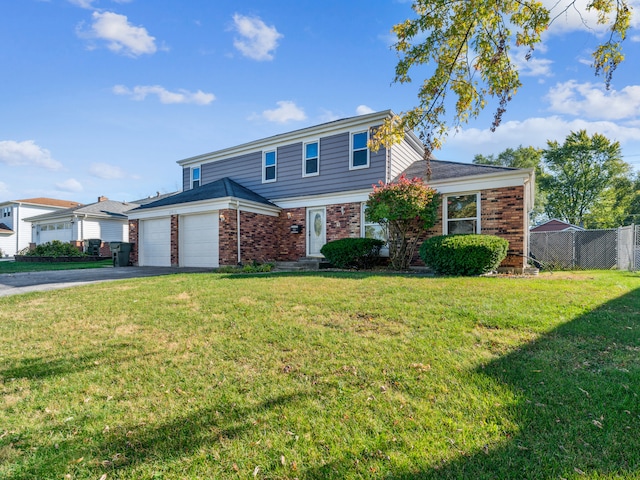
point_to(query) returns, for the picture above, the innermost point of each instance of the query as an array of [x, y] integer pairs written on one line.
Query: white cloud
[[535, 66], [594, 101], [363, 110], [120, 35], [106, 171], [258, 40], [141, 92], [532, 131], [27, 153], [573, 15], [287, 111], [83, 3], [70, 185]]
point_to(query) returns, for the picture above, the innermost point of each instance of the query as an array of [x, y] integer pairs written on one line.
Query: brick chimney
[[102, 198]]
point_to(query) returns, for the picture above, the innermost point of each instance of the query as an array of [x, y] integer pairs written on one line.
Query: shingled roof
[[5, 229], [105, 208], [50, 202], [223, 188], [446, 170]]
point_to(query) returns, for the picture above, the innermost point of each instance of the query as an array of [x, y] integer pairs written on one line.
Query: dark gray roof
[[444, 170], [223, 188], [5, 229]]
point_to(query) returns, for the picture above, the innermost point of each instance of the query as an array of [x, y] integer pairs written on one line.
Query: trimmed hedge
[[467, 254], [55, 248], [352, 252]]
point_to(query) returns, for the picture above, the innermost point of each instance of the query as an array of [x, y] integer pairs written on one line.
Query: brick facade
[[175, 241], [133, 238], [503, 214], [269, 238]]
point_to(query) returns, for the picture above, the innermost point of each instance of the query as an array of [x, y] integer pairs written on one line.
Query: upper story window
[[269, 161], [311, 160], [462, 213], [359, 150], [195, 177], [6, 212]]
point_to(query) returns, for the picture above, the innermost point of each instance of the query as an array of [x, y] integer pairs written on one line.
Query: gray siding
[[186, 178], [335, 175]]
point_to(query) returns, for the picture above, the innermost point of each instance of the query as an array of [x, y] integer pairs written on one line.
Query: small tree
[[406, 208]]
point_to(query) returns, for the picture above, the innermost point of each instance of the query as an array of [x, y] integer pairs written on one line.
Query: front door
[[316, 231]]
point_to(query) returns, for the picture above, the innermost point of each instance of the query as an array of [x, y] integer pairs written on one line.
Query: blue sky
[[102, 97]]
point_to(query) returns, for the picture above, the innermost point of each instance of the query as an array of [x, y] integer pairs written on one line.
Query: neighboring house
[[15, 232], [283, 197], [105, 220], [555, 225]]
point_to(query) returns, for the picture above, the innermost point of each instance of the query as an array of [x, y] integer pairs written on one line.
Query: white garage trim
[[199, 234], [155, 242]]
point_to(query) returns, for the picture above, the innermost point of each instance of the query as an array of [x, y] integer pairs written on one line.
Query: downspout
[[238, 230], [17, 222]]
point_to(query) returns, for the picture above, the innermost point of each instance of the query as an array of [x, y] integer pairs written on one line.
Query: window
[[374, 230], [359, 150], [195, 177], [269, 171], [462, 213], [311, 160], [6, 212]]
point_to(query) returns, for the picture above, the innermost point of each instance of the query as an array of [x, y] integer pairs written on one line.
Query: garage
[[155, 245], [199, 240]]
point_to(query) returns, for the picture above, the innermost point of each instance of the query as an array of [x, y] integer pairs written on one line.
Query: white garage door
[[155, 243], [199, 240]]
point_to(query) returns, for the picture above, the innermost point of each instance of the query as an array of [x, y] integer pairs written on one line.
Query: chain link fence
[[587, 249]]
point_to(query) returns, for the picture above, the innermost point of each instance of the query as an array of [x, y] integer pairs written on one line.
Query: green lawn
[[325, 375], [15, 267]]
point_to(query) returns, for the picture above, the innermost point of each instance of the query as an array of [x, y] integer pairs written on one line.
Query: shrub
[[352, 252], [55, 248], [463, 254]]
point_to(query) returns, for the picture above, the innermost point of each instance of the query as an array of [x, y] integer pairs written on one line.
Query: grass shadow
[[577, 409]]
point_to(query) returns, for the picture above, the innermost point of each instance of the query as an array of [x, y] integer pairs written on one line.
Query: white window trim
[[304, 158], [445, 212], [199, 167], [358, 167], [264, 165]]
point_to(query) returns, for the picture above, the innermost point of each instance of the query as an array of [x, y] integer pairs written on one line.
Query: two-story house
[[283, 197], [15, 232]]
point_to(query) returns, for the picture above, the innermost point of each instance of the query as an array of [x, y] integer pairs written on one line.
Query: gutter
[[238, 230]]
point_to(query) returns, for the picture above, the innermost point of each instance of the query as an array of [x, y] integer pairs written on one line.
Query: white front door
[[316, 231]]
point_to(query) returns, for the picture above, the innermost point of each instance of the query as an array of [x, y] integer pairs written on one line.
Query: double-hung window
[[359, 150], [311, 160], [269, 164], [462, 213], [375, 230], [195, 177]]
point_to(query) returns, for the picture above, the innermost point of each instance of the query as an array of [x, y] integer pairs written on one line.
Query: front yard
[[325, 375]]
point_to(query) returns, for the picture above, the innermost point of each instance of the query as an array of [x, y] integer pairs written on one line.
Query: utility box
[[120, 252], [92, 246]]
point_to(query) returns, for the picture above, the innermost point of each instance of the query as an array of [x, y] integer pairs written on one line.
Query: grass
[[331, 375], [15, 267]]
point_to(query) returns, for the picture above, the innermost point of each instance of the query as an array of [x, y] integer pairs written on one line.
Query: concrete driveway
[[24, 282]]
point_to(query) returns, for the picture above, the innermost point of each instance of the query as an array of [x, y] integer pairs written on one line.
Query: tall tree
[[467, 46], [582, 173], [521, 157]]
